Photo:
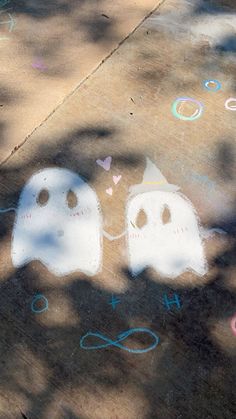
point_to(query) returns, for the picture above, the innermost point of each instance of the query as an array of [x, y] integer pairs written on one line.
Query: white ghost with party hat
[[168, 237]]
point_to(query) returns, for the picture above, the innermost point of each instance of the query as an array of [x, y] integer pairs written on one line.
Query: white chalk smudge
[[185, 20]]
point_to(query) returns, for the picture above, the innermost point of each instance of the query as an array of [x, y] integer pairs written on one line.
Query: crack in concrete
[[17, 147]]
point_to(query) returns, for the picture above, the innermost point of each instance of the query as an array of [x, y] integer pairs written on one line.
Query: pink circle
[[233, 324], [230, 107]]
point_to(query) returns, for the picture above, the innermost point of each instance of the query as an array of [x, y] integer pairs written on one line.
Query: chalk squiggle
[[122, 336], [11, 21]]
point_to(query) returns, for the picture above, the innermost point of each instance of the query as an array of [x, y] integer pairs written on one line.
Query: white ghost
[[59, 223], [168, 239]]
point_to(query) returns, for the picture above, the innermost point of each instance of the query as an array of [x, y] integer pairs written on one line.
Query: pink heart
[[109, 191], [105, 164], [116, 179]]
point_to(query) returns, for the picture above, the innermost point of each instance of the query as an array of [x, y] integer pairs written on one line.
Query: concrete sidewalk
[[48, 49], [103, 125]]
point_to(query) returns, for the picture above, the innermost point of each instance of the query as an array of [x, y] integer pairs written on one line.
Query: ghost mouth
[[85, 211]]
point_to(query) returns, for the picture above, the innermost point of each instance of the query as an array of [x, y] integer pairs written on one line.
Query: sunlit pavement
[[137, 110]]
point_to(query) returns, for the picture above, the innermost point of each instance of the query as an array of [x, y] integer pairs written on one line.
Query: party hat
[[153, 180]]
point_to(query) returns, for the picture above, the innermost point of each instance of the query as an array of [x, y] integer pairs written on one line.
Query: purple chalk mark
[[39, 65]]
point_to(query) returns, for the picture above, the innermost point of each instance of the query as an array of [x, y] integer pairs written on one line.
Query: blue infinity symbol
[[117, 343]]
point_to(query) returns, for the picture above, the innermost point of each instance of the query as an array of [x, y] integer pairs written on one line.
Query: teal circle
[[35, 299], [182, 117]]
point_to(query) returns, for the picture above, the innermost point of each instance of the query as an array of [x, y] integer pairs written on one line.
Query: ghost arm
[[111, 238], [207, 233], [2, 210]]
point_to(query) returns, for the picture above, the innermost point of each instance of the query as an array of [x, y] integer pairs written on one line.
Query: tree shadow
[[196, 372], [43, 369], [82, 19], [215, 7], [190, 373], [198, 35]]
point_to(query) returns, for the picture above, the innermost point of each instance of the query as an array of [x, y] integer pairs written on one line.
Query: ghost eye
[[42, 197], [166, 215], [141, 219], [72, 200]]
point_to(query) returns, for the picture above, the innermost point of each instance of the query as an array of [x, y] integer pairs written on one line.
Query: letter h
[[169, 302]]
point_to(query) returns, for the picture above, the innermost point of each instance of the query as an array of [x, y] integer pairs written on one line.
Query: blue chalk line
[[122, 336]]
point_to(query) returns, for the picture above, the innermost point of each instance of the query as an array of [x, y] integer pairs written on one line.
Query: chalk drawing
[[208, 233], [36, 299], [184, 23], [170, 240], [105, 164], [182, 100], [212, 85], [120, 338], [10, 22], [191, 175], [109, 191], [4, 2], [230, 104], [233, 324], [114, 301], [111, 238], [116, 179], [169, 302], [59, 223], [39, 65], [203, 179]]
